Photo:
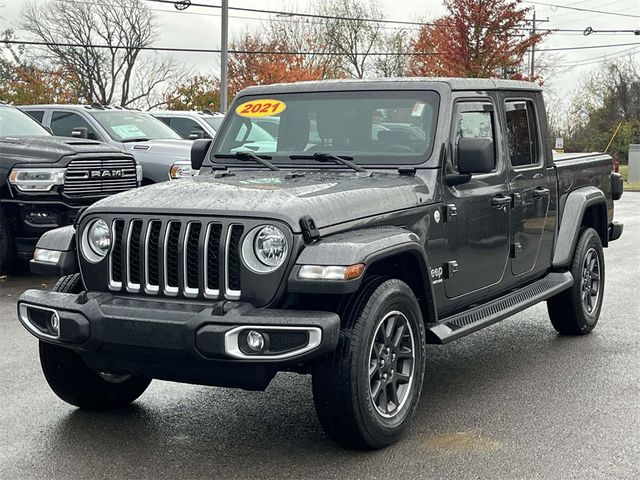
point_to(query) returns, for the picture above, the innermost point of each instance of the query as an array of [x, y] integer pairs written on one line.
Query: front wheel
[[74, 382], [576, 310], [366, 391]]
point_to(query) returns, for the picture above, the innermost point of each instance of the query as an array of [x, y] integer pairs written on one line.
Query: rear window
[[372, 127]]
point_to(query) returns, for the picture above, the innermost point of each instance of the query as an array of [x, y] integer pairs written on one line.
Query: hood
[[48, 149], [177, 149], [329, 197]]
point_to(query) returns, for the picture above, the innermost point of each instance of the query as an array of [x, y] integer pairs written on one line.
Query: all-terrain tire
[[344, 387], [74, 382], [575, 311]]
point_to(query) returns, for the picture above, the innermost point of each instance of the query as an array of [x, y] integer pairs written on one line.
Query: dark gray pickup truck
[[46, 180], [385, 215]]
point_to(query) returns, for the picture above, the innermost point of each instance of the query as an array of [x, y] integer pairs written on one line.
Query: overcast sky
[[200, 28]]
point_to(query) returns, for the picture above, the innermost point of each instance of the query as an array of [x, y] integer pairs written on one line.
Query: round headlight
[[265, 249], [98, 240], [270, 246]]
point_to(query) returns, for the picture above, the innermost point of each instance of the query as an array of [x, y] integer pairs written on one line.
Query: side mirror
[[199, 151], [196, 134], [476, 155], [80, 132]]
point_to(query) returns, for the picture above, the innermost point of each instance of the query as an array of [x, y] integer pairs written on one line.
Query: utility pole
[[532, 70], [224, 55]]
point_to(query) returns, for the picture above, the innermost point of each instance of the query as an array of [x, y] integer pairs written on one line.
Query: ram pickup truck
[[157, 147], [46, 180], [340, 253]]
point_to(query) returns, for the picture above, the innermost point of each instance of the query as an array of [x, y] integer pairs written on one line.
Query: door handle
[[500, 201], [540, 192]]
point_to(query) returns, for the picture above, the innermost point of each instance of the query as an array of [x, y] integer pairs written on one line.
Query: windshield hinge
[[310, 232], [407, 172]]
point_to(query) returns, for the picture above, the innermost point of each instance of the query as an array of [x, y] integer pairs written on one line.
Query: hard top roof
[[410, 83]]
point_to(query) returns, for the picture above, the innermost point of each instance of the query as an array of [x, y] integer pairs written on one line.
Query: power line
[[271, 52], [587, 47], [283, 13], [580, 9], [201, 50]]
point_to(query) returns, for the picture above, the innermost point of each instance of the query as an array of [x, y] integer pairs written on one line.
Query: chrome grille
[[189, 258], [100, 176]]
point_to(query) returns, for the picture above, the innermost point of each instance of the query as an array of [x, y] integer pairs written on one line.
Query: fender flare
[[576, 204], [63, 240], [368, 246]]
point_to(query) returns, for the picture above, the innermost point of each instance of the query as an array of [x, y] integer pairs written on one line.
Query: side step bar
[[464, 323]]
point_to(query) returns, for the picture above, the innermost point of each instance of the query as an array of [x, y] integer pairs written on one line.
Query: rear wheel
[[576, 310], [366, 391], [74, 382]]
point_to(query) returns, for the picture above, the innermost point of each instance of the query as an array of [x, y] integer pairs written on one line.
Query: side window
[[63, 123], [522, 133], [165, 120], [473, 120], [184, 126], [37, 115]]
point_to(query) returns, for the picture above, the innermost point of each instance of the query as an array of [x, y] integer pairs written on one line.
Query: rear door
[[530, 182], [476, 212]]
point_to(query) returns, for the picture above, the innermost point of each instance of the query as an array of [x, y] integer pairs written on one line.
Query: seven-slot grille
[[190, 258], [100, 176]]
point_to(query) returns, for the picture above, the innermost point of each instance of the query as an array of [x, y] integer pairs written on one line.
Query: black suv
[[46, 180], [386, 215]]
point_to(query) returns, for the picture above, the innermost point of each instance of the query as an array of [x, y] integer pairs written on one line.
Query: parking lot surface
[[512, 401]]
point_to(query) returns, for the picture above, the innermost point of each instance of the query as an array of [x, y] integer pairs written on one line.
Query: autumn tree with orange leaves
[[478, 38], [276, 63]]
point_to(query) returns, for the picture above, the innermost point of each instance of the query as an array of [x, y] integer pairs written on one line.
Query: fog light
[[255, 341], [54, 321]]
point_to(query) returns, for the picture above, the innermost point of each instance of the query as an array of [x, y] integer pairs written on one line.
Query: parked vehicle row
[[46, 180], [377, 217], [61, 158], [154, 144]]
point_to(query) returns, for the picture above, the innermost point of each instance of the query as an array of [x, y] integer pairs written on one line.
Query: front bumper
[[35, 217], [179, 341]]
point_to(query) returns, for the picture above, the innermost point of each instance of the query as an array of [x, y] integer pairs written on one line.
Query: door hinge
[[450, 211], [310, 232], [450, 268], [516, 250], [516, 199]]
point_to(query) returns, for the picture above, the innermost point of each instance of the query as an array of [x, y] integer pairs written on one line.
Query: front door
[[476, 212], [529, 183]]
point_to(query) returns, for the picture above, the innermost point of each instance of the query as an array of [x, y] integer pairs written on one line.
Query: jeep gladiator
[[386, 216]]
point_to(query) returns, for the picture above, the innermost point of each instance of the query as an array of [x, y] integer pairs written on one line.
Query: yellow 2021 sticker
[[261, 108]]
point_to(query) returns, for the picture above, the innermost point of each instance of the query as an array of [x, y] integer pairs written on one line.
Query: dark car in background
[[46, 180]]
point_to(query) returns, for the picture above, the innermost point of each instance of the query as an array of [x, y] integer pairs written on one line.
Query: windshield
[[124, 126], [215, 122], [13, 122], [372, 127]]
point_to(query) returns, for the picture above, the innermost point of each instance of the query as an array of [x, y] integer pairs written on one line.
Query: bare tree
[[106, 75], [352, 35], [306, 35], [394, 62]]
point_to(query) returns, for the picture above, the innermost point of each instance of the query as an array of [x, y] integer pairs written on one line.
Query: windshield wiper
[[327, 157], [261, 159], [135, 139]]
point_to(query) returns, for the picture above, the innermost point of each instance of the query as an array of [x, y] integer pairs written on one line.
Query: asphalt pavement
[[514, 401]]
